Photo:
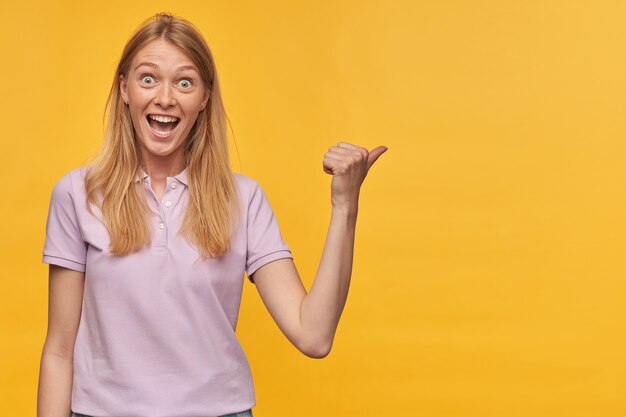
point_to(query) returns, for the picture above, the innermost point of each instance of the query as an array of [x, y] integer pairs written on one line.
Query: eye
[[185, 83], [147, 79]]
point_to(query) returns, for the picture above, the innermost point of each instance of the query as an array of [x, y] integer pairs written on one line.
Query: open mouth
[[162, 126]]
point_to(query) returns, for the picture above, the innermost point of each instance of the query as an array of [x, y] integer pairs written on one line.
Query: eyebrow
[[155, 66]]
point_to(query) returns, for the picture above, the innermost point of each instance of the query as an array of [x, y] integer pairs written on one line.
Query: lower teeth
[[160, 132]]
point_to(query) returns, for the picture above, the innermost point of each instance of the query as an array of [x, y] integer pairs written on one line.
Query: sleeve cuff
[[66, 263], [274, 256]]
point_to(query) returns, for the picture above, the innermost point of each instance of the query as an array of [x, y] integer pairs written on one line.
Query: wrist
[[349, 210]]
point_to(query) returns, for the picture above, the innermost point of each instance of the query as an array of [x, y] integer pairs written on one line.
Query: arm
[[56, 370], [309, 320]]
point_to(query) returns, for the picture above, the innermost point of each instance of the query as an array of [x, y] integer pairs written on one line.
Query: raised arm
[[309, 320]]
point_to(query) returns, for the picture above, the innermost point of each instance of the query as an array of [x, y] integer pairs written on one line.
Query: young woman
[[149, 243]]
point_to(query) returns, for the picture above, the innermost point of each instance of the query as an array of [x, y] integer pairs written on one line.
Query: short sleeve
[[64, 245], [265, 243]]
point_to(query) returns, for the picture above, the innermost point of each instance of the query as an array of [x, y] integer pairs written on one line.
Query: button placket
[[170, 196], [148, 186], [160, 238], [161, 235]]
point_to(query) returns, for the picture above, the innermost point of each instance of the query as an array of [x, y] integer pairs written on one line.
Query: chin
[[159, 149]]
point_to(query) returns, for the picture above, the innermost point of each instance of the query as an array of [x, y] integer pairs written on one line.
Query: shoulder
[[70, 184], [244, 181], [247, 186]]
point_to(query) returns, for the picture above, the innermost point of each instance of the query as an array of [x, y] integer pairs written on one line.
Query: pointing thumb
[[374, 154]]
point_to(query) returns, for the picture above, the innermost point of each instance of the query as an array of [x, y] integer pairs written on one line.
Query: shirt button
[[173, 185], [168, 203], [161, 226]]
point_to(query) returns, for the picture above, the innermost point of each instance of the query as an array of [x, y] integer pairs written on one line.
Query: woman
[[148, 246]]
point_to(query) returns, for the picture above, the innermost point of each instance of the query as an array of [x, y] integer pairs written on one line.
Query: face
[[165, 93]]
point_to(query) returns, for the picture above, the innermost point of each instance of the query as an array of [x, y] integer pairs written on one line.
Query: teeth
[[162, 133], [163, 119]]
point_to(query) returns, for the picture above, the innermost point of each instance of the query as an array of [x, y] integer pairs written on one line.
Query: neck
[[158, 168]]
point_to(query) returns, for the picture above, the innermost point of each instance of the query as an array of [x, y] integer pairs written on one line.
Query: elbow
[[317, 350], [317, 353]]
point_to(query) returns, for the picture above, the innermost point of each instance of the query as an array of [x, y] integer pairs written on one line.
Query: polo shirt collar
[[142, 175], [181, 176]]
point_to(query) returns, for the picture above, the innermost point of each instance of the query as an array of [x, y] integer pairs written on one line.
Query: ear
[[205, 99], [123, 91]]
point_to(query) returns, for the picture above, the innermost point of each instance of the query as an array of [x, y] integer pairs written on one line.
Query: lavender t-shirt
[[157, 329]]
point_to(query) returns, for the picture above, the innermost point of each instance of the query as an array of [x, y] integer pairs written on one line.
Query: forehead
[[163, 54]]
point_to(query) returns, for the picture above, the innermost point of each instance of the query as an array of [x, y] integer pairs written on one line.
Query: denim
[[247, 413]]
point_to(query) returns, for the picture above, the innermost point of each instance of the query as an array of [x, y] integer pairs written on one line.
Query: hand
[[348, 164]]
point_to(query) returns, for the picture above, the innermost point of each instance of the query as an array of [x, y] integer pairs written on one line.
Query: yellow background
[[489, 275]]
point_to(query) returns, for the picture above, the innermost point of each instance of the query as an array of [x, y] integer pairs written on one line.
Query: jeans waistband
[[247, 413]]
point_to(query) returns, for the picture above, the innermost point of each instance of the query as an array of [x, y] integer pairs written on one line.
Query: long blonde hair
[[213, 209]]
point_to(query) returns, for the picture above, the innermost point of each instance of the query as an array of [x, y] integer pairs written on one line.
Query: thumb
[[374, 154]]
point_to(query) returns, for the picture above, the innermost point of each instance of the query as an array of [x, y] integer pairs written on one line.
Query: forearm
[[54, 394], [321, 308]]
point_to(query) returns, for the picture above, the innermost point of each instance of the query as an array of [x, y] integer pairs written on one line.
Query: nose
[[164, 96]]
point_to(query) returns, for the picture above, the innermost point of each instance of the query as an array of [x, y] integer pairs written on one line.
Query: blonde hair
[[213, 209]]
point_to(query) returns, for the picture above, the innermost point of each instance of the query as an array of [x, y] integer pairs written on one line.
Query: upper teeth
[[163, 119]]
